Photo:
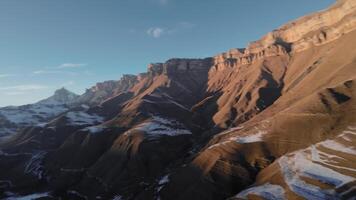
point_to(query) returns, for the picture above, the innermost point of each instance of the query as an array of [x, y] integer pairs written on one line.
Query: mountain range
[[274, 120]]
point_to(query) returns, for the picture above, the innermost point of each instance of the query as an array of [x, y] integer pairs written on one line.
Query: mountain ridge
[[231, 126]]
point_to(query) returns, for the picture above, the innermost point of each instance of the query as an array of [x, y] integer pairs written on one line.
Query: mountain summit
[[14, 118], [61, 96]]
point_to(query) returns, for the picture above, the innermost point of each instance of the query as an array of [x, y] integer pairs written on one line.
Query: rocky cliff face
[[272, 121], [313, 30], [107, 89]]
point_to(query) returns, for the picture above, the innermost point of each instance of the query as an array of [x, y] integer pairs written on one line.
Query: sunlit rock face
[[274, 120]]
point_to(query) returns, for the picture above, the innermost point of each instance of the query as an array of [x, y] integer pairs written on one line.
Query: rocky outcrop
[[104, 90], [315, 29], [236, 57], [176, 66], [154, 69], [125, 83]]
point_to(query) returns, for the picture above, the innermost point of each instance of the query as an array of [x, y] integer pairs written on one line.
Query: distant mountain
[[274, 120], [14, 118], [61, 96]]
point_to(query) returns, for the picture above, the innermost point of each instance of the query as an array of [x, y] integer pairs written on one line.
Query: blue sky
[[45, 44]]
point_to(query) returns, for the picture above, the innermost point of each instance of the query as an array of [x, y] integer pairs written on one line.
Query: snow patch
[[331, 144], [298, 166], [161, 183], [162, 126], [267, 191], [164, 180], [317, 165], [229, 139], [34, 165], [82, 118], [30, 196], [32, 114], [219, 144], [28, 115], [178, 104], [118, 197], [94, 129], [85, 107], [231, 130], [251, 138], [13, 154]]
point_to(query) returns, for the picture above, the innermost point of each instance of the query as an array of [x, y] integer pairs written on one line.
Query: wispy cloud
[[155, 32], [6, 75], [71, 65], [60, 69], [28, 87], [47, 72]]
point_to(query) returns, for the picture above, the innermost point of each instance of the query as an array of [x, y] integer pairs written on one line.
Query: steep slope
[[317, 98], [244, 84], [151, 132]]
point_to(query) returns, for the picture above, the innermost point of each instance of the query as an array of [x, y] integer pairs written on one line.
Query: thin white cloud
[[60, 69], [28, 87], [155, 32], [71, 65], [6, 75], [47, 72], [158, 32]]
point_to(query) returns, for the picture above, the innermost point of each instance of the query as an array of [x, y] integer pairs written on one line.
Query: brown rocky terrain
[[273, 121]]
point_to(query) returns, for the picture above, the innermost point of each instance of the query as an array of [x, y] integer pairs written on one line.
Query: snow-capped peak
[[13, 118], [61, 96]]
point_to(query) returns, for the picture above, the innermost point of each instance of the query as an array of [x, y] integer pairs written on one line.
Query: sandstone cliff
[[236, 125]]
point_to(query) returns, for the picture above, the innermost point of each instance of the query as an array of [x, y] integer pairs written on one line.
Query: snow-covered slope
[[322, 171], [14, 117], [161, 126]]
